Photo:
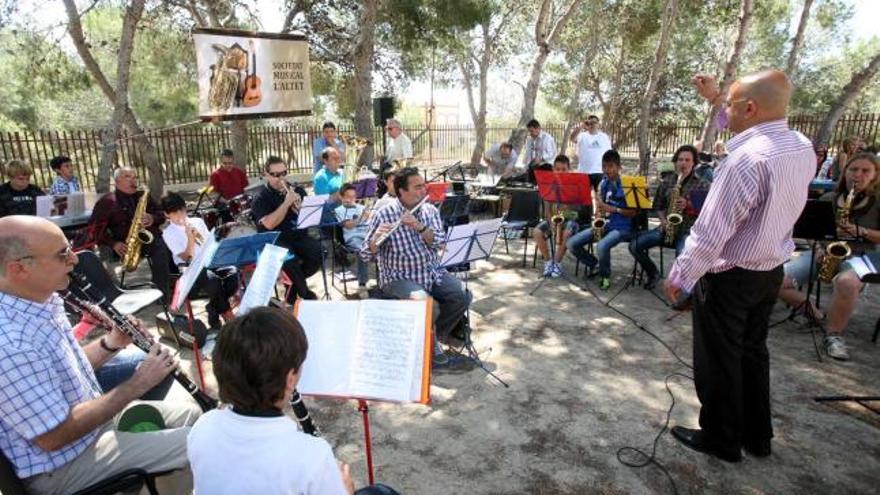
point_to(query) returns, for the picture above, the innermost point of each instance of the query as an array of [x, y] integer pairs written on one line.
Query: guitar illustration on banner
[[252, 94]]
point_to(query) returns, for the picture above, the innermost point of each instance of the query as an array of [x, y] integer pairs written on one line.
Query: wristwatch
[[107, 347]]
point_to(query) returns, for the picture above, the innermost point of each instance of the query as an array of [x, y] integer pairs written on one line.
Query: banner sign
[[248, 75]]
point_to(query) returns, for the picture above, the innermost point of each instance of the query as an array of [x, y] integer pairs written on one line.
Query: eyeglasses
[[729, 103], [278, 175], [62, 255]]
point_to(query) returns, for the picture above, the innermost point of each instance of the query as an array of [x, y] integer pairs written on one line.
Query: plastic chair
[[524, 213], [125, 481]]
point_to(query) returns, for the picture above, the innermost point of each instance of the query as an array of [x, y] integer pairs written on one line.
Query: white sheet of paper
[[262, 283], [487, 233], [44, 205], [310, 211], [191, 274], [76, 204], [457, 240], [862, 265], [329, 328]]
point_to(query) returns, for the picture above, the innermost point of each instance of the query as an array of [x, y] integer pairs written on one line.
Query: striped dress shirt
[[758, 194], [405, 256]]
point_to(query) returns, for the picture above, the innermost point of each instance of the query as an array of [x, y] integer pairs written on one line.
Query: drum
[[240, 230], [239, 204], [211, 217]]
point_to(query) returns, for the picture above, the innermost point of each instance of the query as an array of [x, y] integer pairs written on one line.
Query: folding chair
[[524, 213], [126, 481]]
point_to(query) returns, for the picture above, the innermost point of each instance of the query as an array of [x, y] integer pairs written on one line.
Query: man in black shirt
[[276, 209], [18, 196]]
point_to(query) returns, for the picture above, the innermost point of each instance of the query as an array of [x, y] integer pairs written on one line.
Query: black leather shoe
[[694, 439], [651, 282], [760, 450]]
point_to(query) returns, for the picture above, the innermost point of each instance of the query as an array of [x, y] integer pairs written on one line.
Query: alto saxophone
[[598, 225], [137, 235], [837, 251], [675, 217]]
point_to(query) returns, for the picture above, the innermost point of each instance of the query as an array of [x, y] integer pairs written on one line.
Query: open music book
[[864, 267], [372, 349]]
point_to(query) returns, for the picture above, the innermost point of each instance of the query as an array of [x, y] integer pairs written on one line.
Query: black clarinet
[[301, 414], [80, 296]]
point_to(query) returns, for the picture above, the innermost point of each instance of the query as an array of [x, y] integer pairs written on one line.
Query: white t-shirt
[[399, 148], [239, 455], [175, 237], [590, 148]]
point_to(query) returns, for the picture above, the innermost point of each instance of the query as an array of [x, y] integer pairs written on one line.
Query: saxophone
[[557, 223], [352, 169], [598, 225], [674, 218], [137, 235], [837, 251]]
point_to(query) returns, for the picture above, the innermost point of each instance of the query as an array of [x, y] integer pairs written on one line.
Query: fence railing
[[189, 154]]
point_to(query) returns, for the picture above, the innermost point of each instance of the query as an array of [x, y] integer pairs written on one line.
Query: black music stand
[[816, 223], [446, 172], [465, 244], [310, 214], [569, 188], [637, 199]]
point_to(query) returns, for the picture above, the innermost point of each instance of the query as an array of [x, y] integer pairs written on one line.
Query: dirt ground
[[585, 381]]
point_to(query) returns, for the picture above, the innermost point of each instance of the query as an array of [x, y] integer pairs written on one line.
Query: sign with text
[[248, 75]]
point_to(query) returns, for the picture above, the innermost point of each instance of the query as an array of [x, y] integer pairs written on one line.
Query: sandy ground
[[586, 381]]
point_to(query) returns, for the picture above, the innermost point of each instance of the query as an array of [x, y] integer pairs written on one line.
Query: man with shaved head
[[56, 424], [732, 263]]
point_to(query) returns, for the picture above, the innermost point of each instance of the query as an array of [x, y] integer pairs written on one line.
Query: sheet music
[[45, 205], [385, 351], [76, 204], [262, 284], [862, 265], [487, 233], [329, 328], [188, 279], [310, 211], [459, 237]]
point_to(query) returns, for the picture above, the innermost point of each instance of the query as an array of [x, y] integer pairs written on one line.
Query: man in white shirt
[[591, 145], [185, 238], [501, 160], [540, 146], [399, 147]]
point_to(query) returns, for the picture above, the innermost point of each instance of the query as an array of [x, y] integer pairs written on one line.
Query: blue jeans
[[121, 367], [639, 247], [450, 300], [363, 268], [611, 238]]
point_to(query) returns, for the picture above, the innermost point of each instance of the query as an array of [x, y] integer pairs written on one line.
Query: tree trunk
[[709, 128], [545, 38], [363, 76], [798, 40], [239, 140], [668, 24], [109, 144], [125, 116], [848, 94], [610, 116]]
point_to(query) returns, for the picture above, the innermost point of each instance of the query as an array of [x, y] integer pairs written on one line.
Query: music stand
[[468, 243], [366, 187], [310, 214], [816, 223], [635, 190], [569, 188]]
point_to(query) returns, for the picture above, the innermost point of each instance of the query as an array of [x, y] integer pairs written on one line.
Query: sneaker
[[548, 269], [835, 346], [604, 283], [556, 271], [591, 271]]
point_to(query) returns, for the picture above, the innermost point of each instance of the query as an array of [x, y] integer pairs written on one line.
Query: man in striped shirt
[[408, 261], [732, 263]]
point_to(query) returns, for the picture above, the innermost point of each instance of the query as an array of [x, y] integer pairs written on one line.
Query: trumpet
[[396, 225], [291, 189], [197, 237]]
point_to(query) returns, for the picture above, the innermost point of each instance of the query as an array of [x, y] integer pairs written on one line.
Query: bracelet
[[107, 348]]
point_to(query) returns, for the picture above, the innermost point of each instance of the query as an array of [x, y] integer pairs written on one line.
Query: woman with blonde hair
[[862, 223], [18, 195]]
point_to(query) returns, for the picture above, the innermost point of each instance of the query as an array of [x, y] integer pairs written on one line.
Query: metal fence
[[189, 154]]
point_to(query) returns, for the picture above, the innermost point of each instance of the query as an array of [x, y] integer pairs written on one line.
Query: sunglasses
[[278, 175]]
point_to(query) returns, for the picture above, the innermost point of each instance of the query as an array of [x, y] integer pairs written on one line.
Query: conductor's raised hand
[[707, 86]]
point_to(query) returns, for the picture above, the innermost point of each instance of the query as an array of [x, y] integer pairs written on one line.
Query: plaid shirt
[[405, 256], [60, 186], [43, 374], [694, 189]]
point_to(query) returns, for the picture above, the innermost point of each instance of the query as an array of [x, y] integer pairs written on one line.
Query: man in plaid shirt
[[55, 423], [408, 258]]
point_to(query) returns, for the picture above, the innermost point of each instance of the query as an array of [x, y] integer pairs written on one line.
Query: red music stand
[[437, 191]]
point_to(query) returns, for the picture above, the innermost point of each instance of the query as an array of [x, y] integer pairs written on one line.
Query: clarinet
[[301, 414], [79, 297]]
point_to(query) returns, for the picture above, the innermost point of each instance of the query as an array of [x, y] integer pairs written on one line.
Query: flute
[[396, 225], [79, 295]]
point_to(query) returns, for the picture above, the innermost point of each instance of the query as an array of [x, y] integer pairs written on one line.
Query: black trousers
[[731, 362], [219, 285], [160, 265], [305, 263]]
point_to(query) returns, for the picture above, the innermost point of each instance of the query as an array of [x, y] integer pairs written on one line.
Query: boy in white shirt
[[257, 362], [185, 237], [352, 217]]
